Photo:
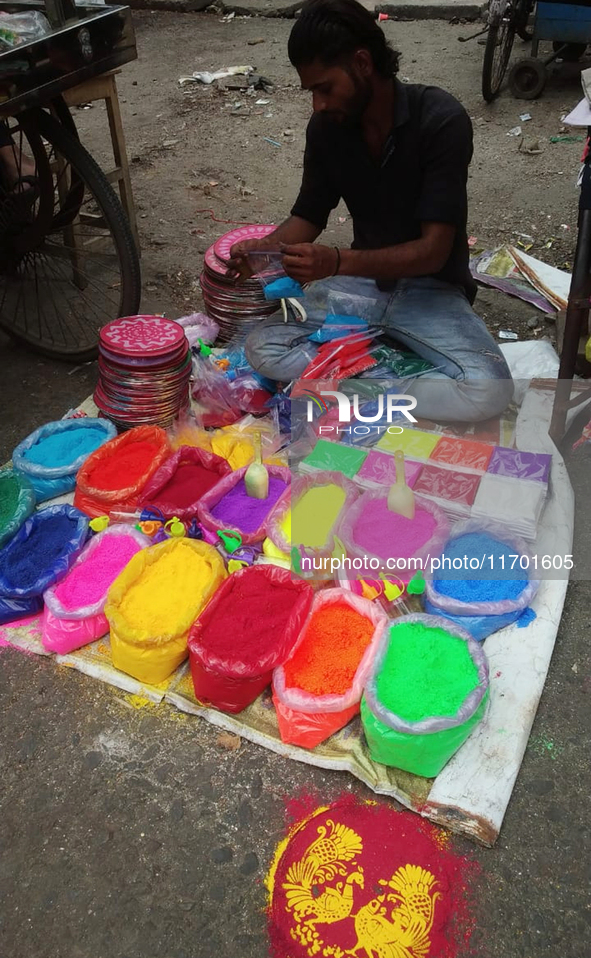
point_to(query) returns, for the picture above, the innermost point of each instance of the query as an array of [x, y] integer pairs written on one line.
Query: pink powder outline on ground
[[385, 534]]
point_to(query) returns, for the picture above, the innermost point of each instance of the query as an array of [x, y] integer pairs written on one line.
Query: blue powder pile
[[64, 448], [492, 583], [24, 564]]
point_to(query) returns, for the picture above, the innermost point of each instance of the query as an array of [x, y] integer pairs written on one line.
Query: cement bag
[[155, 600], [227, 507], [52, 455], [74, 608], [11, 610], [17, 501], [42, 552], [179, 484], [422, 747], [336, 648], [369, 529], [249, 628], [514, 588], [115, 476]]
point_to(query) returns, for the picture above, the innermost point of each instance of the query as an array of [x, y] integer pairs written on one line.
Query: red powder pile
[[250, 622], [189, 482], [125, 467], [399, 889], [331, 650]]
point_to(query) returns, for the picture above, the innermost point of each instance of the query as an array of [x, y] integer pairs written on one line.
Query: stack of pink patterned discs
[[235, 306], [144, 371]]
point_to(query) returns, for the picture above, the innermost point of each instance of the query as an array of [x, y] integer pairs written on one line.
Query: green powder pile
[[426, 672], [9, 493]]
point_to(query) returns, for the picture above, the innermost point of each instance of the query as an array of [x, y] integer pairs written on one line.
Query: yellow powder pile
[[157, 602], [315, 514]]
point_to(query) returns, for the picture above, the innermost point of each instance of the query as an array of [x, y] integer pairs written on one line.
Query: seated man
[[398, 155]]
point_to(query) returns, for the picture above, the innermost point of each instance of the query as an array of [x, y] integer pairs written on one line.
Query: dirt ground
[[198, 148], [139, 833]]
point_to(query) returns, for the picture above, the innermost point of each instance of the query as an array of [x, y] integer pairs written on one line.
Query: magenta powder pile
[[242, 512], [385, 534], [89, 582], [189, 482], [49, 540]]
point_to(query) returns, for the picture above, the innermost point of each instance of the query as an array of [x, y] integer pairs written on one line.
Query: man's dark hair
[[332, 30]]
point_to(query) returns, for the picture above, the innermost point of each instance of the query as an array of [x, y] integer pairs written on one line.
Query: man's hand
[[306, 262], [238, 266]]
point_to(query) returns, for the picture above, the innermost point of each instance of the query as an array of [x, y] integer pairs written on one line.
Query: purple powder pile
[[23, 565], [239, 511]]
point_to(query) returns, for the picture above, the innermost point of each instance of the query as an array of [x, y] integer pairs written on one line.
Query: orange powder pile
[[329, 655]]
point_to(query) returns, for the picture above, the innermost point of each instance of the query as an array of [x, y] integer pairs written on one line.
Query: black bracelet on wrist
[[338, 252]]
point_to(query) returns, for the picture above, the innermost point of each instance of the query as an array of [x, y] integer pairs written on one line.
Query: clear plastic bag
[[155, 495], [306, 719], [231, 683], [150, 657], [480, 619], [24, 506], [347, 314], [211, 524], [199, 326], [18, 28], [51, 481], [48, 570], [424, 747], [267, 268], [95, 500], [64, 630], [433, 546]]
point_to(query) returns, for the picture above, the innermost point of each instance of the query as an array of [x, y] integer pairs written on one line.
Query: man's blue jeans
[[435, 320]]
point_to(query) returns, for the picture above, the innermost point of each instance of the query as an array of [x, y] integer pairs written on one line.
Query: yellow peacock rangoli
[[363, 881]]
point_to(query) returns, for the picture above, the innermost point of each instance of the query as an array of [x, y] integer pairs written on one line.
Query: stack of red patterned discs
[[144, 371], [235, 306]]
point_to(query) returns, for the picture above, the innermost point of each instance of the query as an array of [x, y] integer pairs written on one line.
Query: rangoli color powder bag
[[52, 455], [318, 689], [74, 609], [369, 528], [155, 600], [426, 691], [490, 597], [17, 501], [41, 552], [248, 629], [176, 488], [115, 476], [309, 518], [228, 507]]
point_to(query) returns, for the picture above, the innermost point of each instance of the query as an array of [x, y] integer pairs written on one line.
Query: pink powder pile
[[89, 582], [385, 534]]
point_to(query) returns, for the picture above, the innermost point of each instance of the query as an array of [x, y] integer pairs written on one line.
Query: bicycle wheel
[[499, 43], [68, 261]]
